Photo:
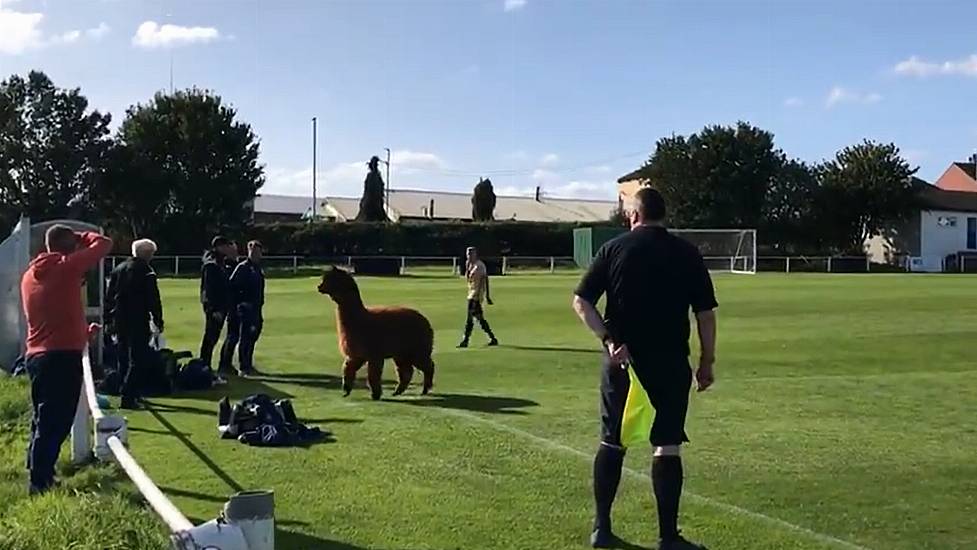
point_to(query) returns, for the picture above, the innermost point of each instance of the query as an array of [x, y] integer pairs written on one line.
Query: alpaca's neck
[[350, 308]]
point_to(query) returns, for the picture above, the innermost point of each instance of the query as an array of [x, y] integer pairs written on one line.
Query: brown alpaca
[[370, 335]]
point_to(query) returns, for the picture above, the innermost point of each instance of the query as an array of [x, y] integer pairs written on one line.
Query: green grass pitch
[[844, 416]]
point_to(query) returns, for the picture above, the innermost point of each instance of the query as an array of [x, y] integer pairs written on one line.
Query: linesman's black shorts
[[667, 382]]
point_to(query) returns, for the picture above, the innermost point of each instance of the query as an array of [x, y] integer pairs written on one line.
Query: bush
[[423, 239]]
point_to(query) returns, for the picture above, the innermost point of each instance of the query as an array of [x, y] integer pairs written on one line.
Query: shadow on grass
[[474, 403], [218, 471], [173, 491], [293, 540], [317, 380], [552, 349], [235, 389]]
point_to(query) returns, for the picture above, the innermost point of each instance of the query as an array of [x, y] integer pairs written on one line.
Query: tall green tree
[[185, 168], [371, 203], [483, 201], [52, 150], [788, 225], [863, 191], [717, 177]]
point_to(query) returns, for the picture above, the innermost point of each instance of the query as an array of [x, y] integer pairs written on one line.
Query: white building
[[944, 229]]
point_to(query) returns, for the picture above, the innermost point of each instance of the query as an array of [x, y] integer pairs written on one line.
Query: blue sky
[[566, 94]]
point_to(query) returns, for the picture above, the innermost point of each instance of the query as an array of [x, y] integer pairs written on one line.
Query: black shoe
[[223, 412], [250, 372], [463, 344], [493, 342], [604, 538], [679, 543]]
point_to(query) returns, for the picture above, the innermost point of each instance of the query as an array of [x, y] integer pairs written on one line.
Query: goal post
[[724, 250]]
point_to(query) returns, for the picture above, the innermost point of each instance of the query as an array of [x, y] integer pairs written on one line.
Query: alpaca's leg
[[374, 378], [405, 371], [350, 367], [426, 366]]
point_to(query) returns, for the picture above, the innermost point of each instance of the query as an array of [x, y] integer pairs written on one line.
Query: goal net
[[724, 250]]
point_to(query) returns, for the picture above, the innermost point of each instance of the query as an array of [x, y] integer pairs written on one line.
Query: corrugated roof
[[447, 206]]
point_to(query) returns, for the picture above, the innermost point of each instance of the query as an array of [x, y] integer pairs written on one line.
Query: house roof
[[405, 203], [631, 176], [934, 198], [968, 167]]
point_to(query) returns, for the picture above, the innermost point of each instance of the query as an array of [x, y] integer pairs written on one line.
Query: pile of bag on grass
[[261, 422], [165, 371]]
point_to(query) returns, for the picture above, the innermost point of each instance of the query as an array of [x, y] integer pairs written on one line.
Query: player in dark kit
[[215, 294], [650, 280], [248, 296]]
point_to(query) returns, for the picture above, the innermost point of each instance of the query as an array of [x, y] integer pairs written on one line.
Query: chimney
[[430, 210], [537, 193]]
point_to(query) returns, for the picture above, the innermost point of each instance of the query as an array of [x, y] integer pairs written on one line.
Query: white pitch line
[[732, 508]]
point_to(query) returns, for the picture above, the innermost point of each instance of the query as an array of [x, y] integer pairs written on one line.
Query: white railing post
[[176, 267], [788, 264], [552, 264], [81, 432], [403, 265], [454, 265], [505, 265], [732, 263], [868, 264], [829, 264], [295, 264]]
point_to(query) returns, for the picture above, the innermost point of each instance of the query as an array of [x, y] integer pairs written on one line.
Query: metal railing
[[254, 531]]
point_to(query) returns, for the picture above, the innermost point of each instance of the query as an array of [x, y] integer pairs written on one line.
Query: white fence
[[180, 266], [246, 523]]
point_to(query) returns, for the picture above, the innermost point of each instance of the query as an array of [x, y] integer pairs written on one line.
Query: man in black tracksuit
[[131, 302], [215, 296], [248, 298]]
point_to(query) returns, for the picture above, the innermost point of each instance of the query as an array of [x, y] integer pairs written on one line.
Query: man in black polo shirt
[[651, 280]]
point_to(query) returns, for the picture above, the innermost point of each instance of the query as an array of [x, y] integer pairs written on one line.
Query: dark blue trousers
[[56, 380], [252, 321]]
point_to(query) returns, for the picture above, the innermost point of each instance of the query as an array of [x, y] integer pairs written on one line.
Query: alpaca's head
[[337, 284]]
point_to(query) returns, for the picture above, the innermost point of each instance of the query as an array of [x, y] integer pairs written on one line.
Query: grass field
[[843, 417]]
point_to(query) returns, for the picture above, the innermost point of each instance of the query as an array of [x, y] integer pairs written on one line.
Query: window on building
[[971, 233]]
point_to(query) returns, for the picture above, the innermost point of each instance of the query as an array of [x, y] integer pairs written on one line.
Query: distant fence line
[[182, 266]]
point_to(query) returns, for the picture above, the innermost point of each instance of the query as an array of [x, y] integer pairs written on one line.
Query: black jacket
[[215, 288], [132, 298], [248, 284]]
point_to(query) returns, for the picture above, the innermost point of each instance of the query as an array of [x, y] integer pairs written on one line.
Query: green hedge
[[421, 239]]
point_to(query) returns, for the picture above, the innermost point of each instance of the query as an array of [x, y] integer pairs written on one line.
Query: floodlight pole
[[314, 190], [387, 149]]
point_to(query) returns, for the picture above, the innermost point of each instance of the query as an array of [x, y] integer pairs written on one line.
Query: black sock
[[666, 478], [607, 476]]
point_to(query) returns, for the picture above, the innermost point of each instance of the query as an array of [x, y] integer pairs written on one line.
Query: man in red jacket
[[56, 337]]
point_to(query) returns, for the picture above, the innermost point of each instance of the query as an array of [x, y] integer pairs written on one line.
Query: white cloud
[[914, 66], [793, 102], [99, 32], [549, 159], [514, 5], [839, 95], [554, 185], [915, 156], [21, 32], [341, 180], [411, 161], [518, 155], [153, 35]]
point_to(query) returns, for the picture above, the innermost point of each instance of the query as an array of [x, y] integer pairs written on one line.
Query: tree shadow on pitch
[[474, 403]]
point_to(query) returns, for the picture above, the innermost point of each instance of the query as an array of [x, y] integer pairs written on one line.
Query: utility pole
[[314, 190], [388, 181]]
